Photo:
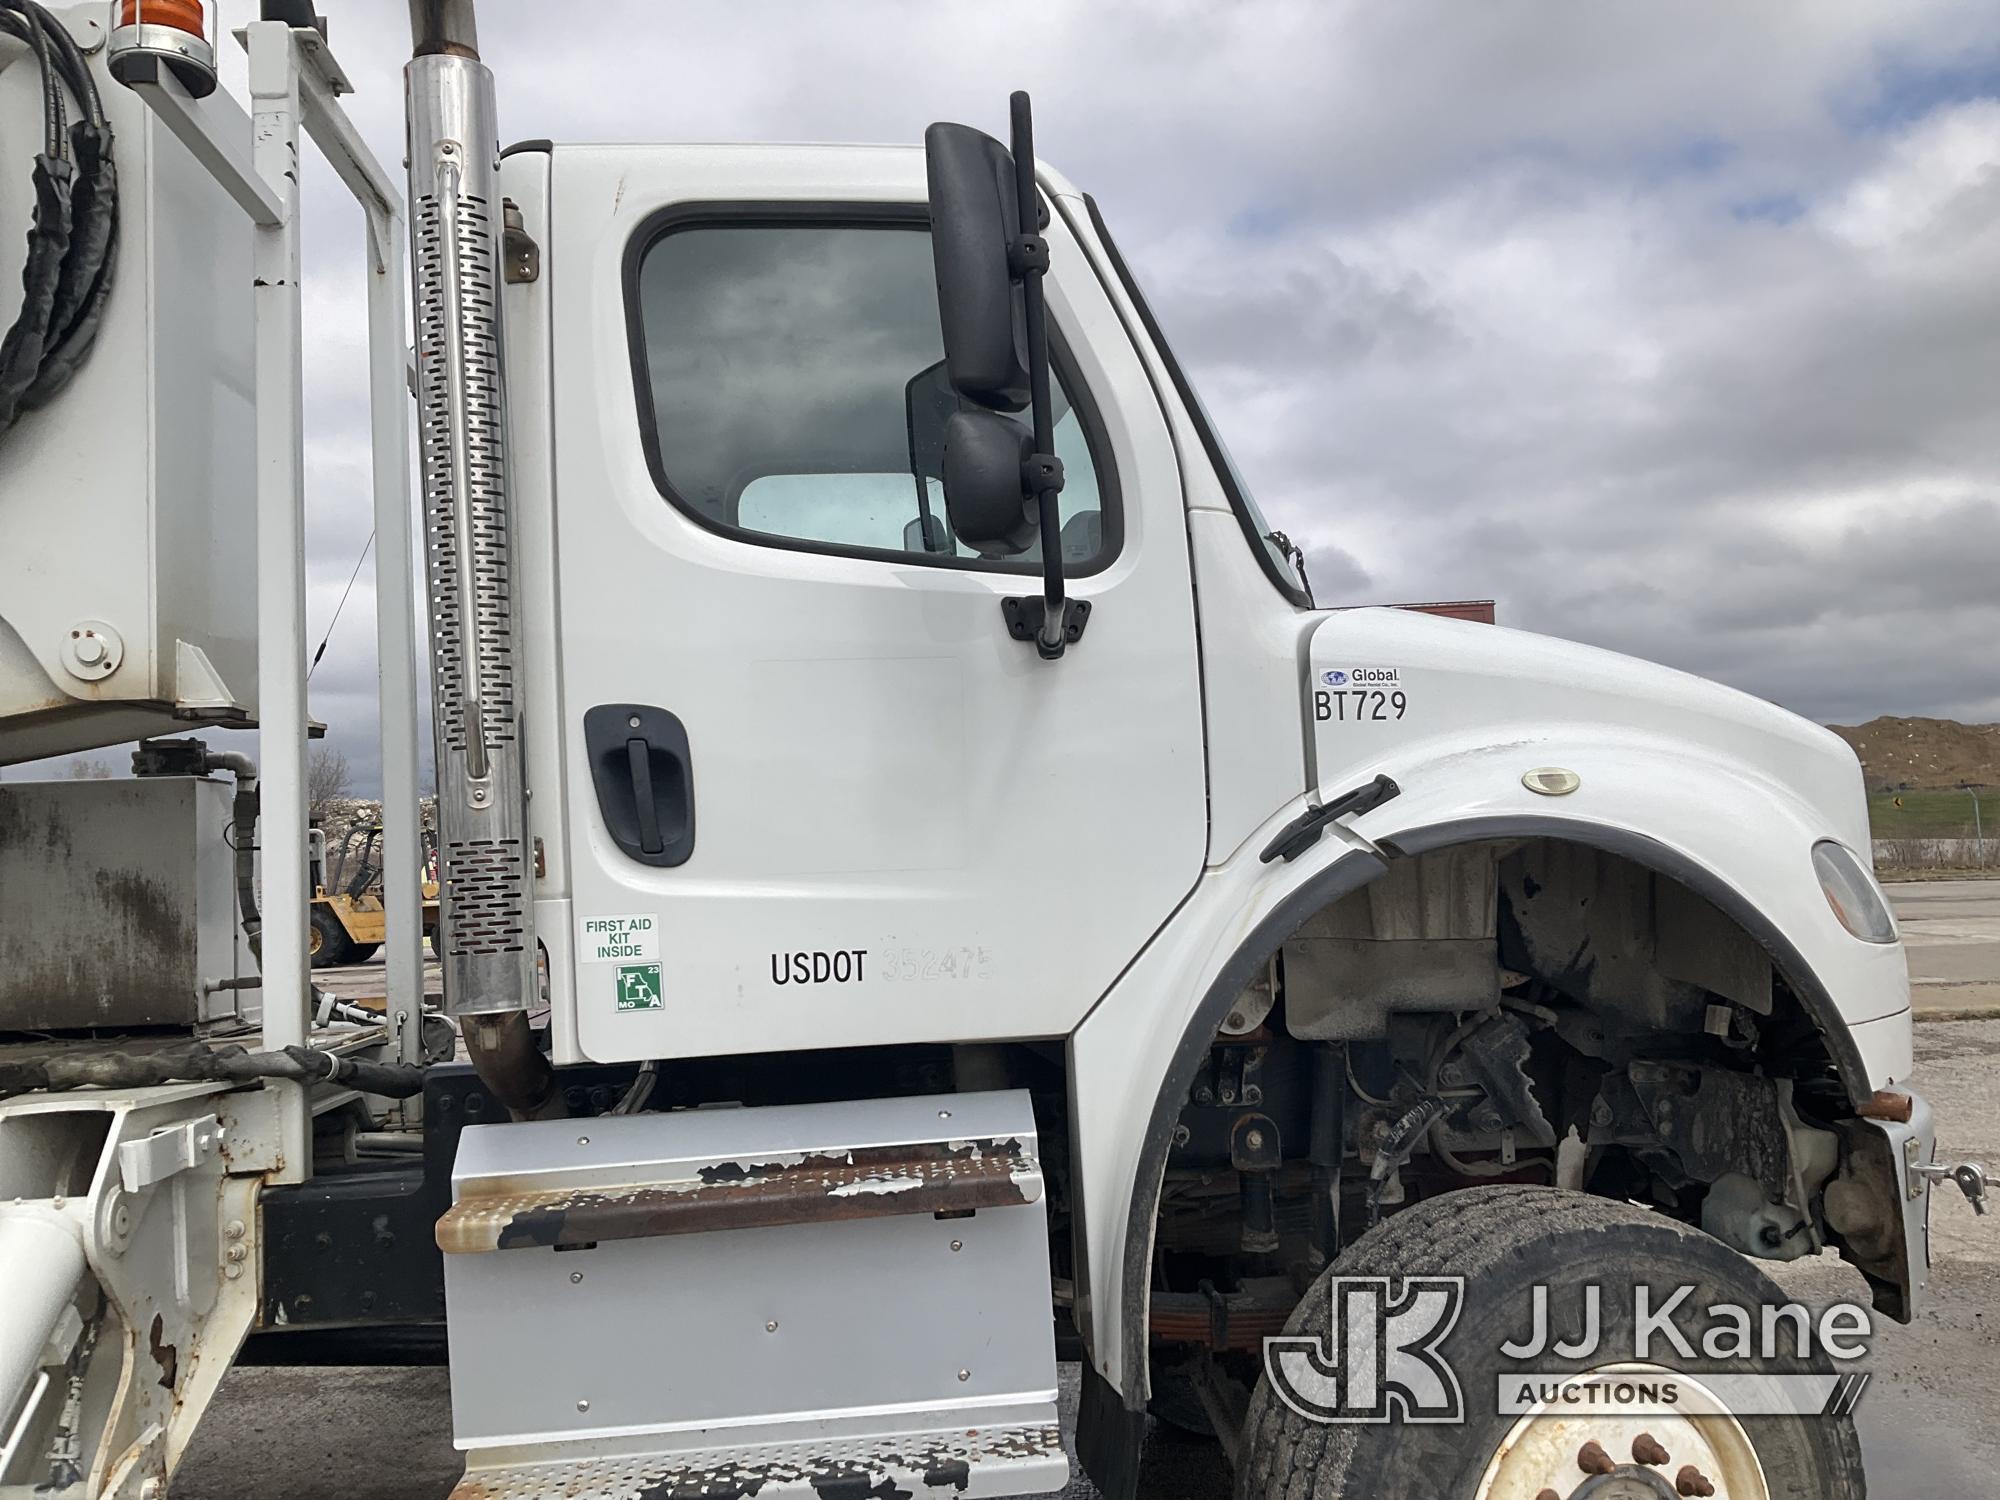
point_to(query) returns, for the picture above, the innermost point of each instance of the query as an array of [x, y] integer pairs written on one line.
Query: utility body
[[924, 885]]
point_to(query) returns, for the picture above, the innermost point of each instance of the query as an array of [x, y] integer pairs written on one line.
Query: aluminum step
[[988, 1462], [823, 1300]]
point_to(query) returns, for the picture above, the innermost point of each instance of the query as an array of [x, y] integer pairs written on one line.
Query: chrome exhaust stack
[[487, 897]]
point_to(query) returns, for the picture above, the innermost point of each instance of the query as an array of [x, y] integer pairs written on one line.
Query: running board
[[805, 1300], [997, 1461]]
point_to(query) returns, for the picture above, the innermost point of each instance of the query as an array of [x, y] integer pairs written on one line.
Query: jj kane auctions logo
[[1380, 1359]]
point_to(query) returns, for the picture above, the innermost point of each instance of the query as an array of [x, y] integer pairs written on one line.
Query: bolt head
[[235, 1229], [1254, 1139], [233, 1272], [956, 1246], [583, 1405], [772, 1326], [583, 1140], [965, 1374], [575, 1277]]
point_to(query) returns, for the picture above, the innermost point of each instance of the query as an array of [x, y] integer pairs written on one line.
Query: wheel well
[[1499, 1002]]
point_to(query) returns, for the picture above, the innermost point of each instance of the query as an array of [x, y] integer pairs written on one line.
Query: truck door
[[817, 794]]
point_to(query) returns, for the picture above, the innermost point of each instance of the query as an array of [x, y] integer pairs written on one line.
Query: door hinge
[[520, 256]]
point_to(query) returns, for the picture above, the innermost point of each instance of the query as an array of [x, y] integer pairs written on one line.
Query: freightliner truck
[[927, 889]]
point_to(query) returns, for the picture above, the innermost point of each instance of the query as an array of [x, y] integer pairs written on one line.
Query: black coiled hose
[[73, 233]]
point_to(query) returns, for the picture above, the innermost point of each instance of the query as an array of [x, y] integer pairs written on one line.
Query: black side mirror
[[986, 222], [975, 219], [986, 459]]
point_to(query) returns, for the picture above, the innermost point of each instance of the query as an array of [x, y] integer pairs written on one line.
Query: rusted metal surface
[[941, 1178], [1218, 1320], [1887, 1104], [943, 1464]]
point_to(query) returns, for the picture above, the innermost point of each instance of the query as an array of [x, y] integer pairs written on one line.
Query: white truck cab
[[925, 885]]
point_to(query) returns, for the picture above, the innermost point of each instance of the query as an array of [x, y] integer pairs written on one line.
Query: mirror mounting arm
[[1028, 258]]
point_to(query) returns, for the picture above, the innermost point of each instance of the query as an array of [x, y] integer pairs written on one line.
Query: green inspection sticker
[[639, 987]]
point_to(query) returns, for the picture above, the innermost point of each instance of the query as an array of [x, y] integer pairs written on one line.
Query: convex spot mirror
[[985, 455], [975, 218]]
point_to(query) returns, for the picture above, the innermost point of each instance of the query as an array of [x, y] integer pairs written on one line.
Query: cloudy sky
[[1675, 328]]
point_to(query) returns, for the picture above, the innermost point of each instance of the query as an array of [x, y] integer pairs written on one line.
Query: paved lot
[[348, 1434], [1951, 929]]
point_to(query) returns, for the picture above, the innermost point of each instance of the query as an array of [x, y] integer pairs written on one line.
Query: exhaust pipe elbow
[[501, 1048]]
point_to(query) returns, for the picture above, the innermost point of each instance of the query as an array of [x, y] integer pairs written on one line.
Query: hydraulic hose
[[243, 836], [72, 237], [196, 1062]]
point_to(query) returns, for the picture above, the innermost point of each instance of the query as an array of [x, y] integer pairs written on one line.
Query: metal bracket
[[1968, 1177], [1025, 616], [520, 256], [177, 1148]]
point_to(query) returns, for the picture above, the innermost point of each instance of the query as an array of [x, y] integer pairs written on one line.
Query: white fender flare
[[1735, 838]]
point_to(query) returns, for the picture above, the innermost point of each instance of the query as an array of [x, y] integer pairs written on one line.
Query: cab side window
[[791, 391]]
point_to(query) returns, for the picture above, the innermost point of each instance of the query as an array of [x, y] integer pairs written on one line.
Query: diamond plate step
[[964, 1464]]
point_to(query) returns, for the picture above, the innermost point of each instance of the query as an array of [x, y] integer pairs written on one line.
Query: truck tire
[[326, 942], [1503, 1241], [360, 953]]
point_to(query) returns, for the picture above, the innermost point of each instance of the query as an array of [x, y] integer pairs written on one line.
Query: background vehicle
[[350, 923], [1074, 915]]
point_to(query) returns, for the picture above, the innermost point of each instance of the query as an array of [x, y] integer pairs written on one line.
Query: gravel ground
[[362, 1434]]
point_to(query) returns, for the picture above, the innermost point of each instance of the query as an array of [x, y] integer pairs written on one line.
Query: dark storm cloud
[[1674, 328]]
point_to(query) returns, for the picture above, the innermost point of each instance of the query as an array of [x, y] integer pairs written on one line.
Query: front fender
[[1134, 1058], [1735, 837], [1721, 828]]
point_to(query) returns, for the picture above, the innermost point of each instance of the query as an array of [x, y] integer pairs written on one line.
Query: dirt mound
[[1924, 753]]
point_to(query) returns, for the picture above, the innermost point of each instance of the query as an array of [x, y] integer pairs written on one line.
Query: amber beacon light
[[147, 35]]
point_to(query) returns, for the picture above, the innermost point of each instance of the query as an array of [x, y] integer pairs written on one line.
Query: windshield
[[1282, 562]]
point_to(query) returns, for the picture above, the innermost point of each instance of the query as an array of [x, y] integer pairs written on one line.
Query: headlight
[[1852, 893]]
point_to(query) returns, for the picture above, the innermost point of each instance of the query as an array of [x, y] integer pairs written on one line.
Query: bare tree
[[327, 782], [88, 768]]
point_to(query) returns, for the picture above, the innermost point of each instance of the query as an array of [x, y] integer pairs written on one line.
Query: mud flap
[[846, 1298]]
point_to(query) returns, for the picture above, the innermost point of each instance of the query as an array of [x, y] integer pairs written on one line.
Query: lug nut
[[1647, 1450], [1592, 1459], [1691, 1481]]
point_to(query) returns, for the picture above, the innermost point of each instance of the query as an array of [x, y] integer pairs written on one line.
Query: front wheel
[[326, 939], [1504, 1242]]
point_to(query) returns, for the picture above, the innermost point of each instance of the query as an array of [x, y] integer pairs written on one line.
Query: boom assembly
[[925, 889]]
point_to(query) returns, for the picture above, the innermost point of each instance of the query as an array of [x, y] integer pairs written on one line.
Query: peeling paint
[[165, 1355], [876, 1185], [865, 1183]]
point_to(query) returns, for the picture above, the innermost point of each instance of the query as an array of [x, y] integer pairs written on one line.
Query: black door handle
[[644, 777], [639, 752]]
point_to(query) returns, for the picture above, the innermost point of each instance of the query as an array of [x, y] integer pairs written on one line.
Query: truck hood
[[1390, 687]]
